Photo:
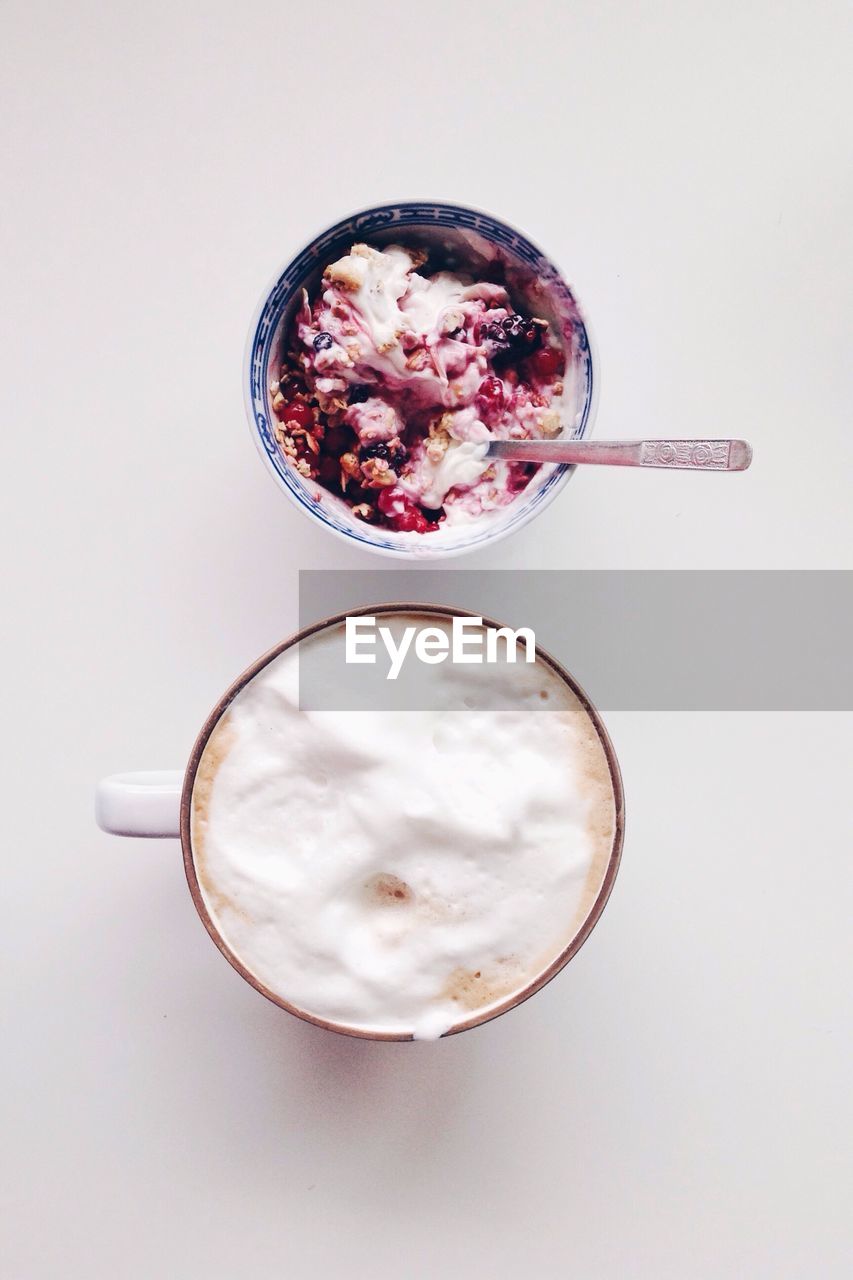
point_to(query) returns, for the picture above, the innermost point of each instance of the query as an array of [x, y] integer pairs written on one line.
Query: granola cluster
[[391, 383]]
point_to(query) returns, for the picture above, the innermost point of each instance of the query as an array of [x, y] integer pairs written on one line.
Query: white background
[[674, 1105]]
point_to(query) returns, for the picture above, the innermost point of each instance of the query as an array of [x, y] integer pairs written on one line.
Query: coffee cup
[[393, 874]]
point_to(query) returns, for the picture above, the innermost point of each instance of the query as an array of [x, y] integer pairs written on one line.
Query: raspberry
[[411, 521]]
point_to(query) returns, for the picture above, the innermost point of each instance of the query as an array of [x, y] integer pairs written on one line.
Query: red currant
[[299, 412], [546, 362], [491, 398]]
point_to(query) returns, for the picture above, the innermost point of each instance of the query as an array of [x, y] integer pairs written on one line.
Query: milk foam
[[399, 871]]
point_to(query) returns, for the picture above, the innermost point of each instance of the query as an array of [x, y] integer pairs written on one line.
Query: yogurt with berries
[[392, 380]]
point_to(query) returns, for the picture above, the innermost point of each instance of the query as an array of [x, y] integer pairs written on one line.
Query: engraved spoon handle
[[676, 455]]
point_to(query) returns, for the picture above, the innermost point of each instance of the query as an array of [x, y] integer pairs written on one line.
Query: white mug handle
[[140, 804]]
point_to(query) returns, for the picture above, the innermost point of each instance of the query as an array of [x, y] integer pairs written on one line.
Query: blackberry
[[514, 326], [323, 341], [513, 335], [359, 394]]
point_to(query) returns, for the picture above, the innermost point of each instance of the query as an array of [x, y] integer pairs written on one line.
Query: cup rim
[[491, 1012], [416, 551]]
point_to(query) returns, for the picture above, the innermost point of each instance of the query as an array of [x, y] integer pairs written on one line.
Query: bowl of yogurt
[[389, 352]]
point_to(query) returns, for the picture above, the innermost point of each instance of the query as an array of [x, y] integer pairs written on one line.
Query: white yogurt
[[401, 871]]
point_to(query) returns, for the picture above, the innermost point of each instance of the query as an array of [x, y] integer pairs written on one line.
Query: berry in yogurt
[[392, 382]]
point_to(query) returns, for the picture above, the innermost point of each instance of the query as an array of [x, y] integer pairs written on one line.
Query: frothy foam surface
[[399, 871]]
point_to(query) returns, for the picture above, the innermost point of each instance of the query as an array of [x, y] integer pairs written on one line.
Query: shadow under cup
[[457, 239], [198, 784]]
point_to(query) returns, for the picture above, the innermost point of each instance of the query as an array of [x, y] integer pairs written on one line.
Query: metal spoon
[[676, 455]]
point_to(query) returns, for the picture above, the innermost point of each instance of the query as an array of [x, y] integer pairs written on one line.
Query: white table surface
[[674, 1105]]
